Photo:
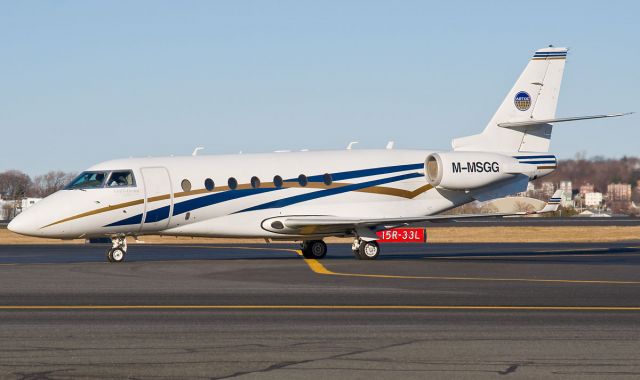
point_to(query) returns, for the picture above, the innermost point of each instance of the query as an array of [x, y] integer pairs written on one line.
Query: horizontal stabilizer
[[559, 120]]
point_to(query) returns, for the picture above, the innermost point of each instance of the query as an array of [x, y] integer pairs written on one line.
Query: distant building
[[25, 203], [586, 188], [619, 192], [6, 209], [567, 193], [9, 209], [547, 189], [530, 192], [593, 199]]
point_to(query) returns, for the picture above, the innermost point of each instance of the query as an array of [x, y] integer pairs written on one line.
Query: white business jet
[[306, 196]]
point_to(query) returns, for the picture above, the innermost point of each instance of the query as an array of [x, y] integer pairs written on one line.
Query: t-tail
[[523, 122]]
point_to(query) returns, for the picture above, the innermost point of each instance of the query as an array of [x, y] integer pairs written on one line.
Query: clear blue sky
[[86, 81]]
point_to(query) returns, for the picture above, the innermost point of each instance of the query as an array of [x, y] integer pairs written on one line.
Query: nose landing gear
[[118, 250]]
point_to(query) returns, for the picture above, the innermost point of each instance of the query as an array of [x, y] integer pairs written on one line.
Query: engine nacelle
[[472, 170]]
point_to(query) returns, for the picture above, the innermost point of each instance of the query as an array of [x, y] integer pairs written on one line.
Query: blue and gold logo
[[522, 101]]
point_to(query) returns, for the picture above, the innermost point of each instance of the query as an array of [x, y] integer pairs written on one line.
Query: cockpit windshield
[[88, 180], [100, 179], [122, 178]]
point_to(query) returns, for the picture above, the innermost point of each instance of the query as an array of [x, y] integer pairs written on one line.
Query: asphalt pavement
[[262, 311]]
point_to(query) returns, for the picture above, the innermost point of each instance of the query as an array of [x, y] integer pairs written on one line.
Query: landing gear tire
[[368, 250], [118, 250], [314, 249], [116, 255]]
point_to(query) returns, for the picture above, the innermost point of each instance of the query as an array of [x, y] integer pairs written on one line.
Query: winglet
[[553, 203]]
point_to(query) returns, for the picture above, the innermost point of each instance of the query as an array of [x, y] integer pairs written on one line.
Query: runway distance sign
[[403, 235]]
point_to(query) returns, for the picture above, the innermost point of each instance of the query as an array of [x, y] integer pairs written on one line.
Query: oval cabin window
[[186, 185], [277, 181], [327, 179], [233, 183], [209, 184]]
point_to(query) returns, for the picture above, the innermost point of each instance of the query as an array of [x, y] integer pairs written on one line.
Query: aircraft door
[[158, 199]]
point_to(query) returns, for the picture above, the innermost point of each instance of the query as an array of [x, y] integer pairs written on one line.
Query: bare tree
[[488, 208], [521, 206], [14, 184], [47, 184]]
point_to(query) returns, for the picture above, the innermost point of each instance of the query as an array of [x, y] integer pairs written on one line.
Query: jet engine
[[472, 170]]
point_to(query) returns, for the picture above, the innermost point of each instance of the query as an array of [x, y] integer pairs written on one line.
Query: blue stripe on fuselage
[[328, 192], [157, 215], [208, 200], [215, 198], [136, 219], [341, 176]]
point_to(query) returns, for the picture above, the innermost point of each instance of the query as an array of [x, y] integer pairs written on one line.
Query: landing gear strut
[[365, 250], [314, 249], [118, 249]]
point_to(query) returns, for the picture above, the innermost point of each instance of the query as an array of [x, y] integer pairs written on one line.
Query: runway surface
[[438, 311]]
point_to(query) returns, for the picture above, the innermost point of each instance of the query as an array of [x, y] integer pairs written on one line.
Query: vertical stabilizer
[[533, 97]]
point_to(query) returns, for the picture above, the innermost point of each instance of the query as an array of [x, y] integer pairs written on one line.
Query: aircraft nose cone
[[22, 225]]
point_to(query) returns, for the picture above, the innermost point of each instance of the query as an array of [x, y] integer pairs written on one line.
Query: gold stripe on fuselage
[[97, 211]]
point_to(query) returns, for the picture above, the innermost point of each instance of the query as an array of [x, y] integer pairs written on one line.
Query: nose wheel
[[118, 250]]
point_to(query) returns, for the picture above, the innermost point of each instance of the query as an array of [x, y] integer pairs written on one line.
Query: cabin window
[[233, 183], [88, 180], [255, 182], [186, 185], [277, 181], [327, 179], [122, 178], [209, 184], [302, 180]]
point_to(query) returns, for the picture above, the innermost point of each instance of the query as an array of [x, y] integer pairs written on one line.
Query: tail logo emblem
[[522, 101]]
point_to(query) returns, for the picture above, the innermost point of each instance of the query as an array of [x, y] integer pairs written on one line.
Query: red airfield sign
[[403, 235]]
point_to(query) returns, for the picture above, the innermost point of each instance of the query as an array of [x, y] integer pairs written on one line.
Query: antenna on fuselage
[[390, 145], [351, 144], [196, 150]]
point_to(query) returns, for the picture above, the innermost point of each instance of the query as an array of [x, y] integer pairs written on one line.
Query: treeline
[[598, 171], [15, 184]]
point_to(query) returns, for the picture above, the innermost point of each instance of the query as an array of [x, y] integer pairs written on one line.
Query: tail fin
[[534, 96], [553, 203]]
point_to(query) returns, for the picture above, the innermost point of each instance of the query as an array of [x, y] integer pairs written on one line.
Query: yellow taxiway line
[[318, 307], [318, 268]]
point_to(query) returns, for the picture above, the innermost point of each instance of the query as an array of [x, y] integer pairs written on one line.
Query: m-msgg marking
[[476, 167]]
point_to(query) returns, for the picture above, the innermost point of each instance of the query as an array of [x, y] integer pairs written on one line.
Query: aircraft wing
[[364, 227]]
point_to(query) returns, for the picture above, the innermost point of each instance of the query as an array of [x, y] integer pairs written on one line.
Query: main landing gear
[[362, 249], [365, 250], [118, 249], [314, 249]]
